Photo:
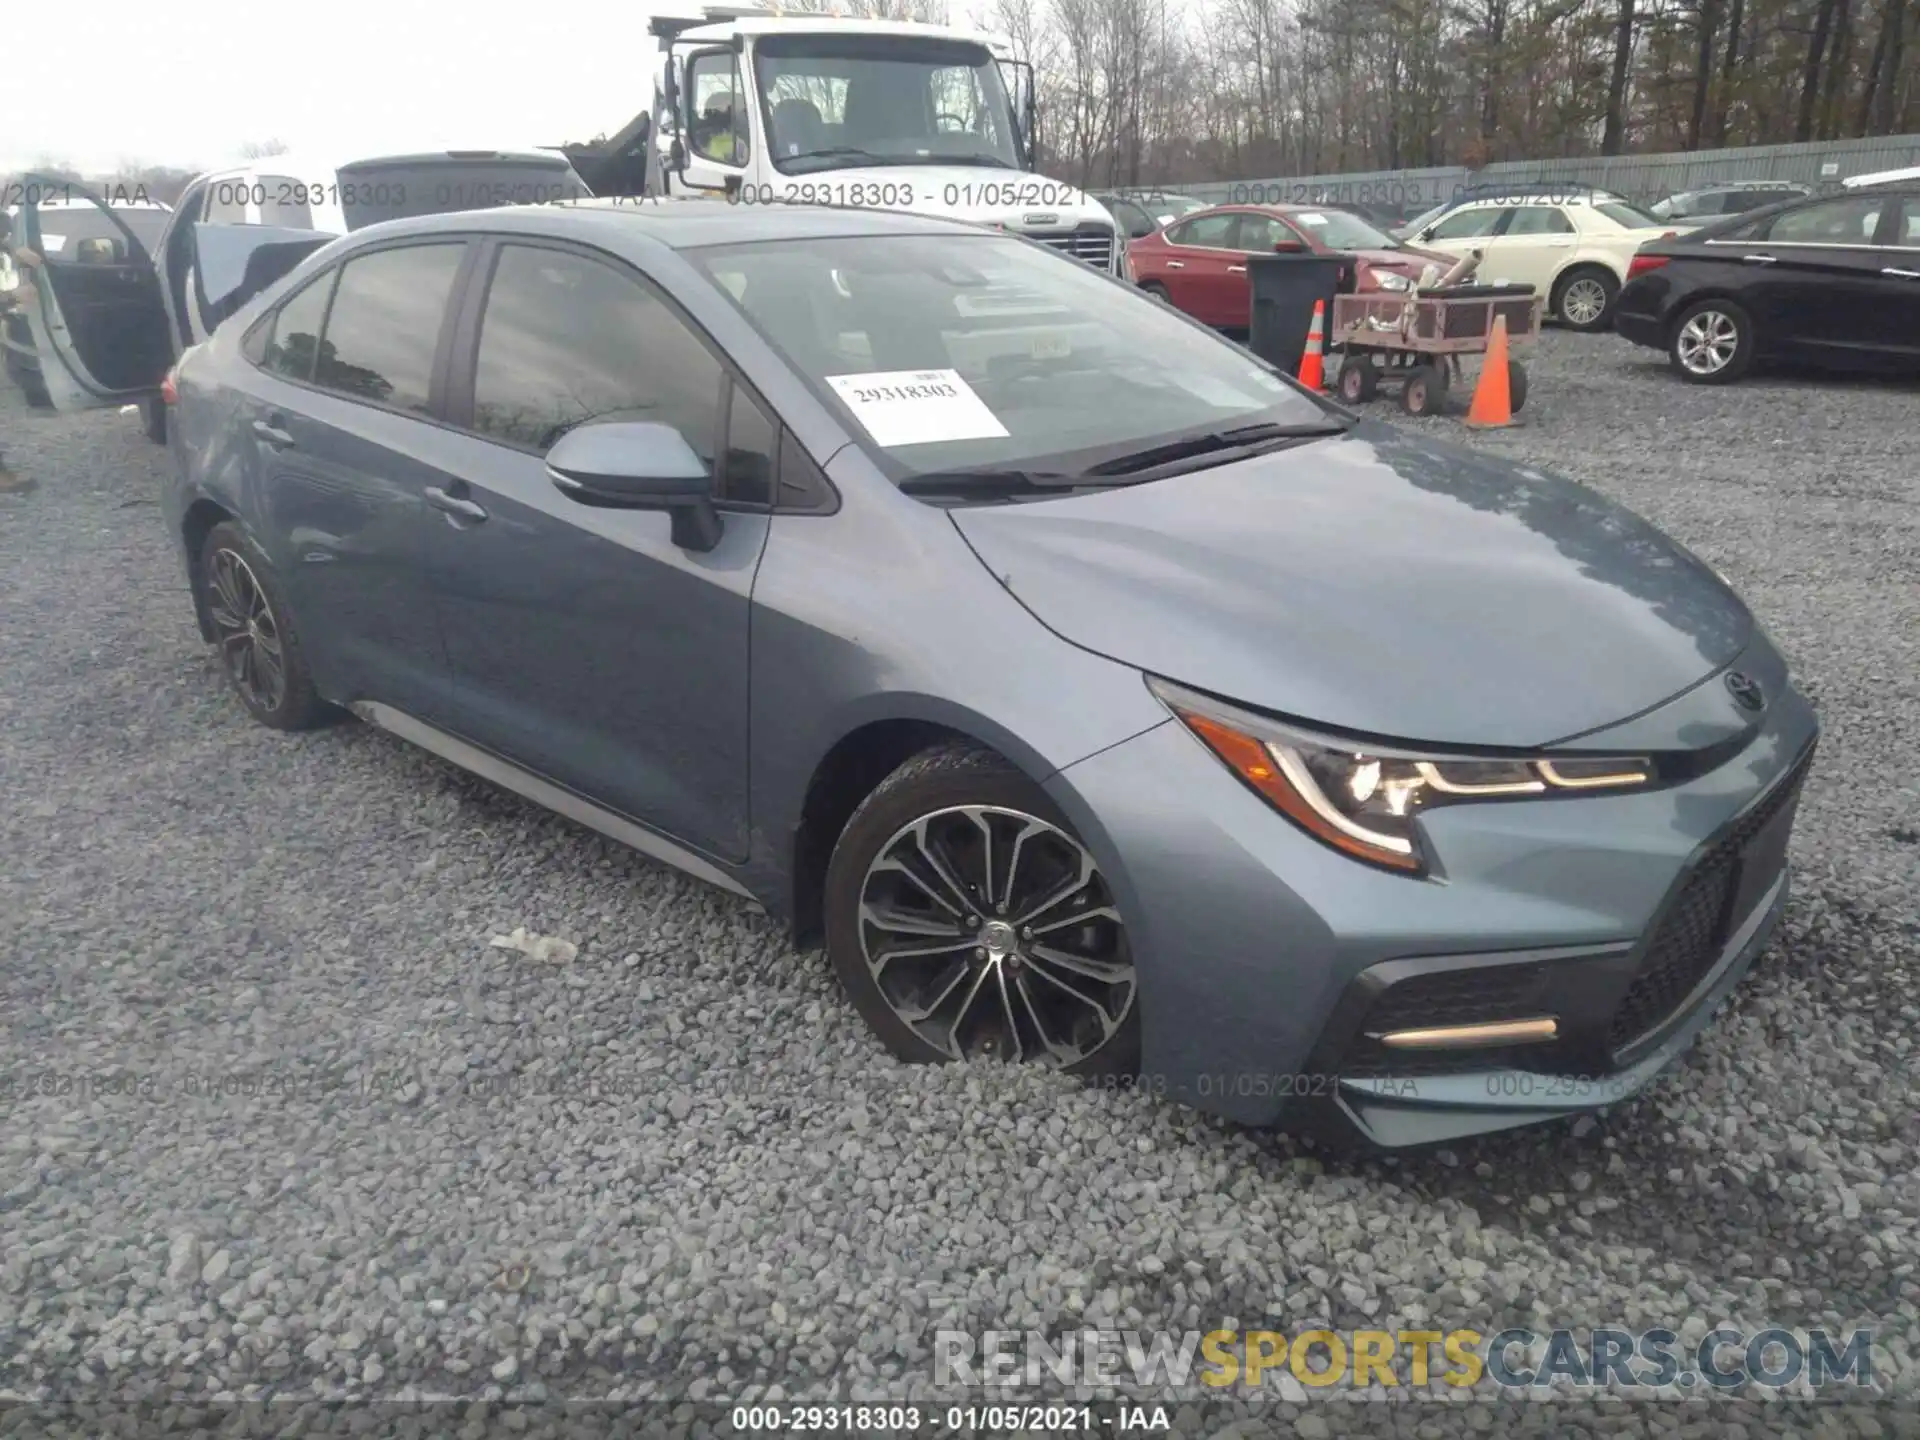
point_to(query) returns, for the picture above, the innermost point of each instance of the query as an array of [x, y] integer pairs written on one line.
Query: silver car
[[1101, 699]]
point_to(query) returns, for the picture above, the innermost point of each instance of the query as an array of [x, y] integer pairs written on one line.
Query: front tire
[[1584, 298], [1155, 290], [259, 647], [965, 921], [1711, 342]]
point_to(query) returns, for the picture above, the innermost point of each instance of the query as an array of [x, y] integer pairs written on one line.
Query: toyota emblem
[[1746, 690]]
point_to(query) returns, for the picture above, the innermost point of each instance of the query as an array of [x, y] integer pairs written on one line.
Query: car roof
[[678, 224], [1582, 197], [316, 165]]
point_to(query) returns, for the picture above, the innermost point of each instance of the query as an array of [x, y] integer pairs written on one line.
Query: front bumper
[[1270, 965]]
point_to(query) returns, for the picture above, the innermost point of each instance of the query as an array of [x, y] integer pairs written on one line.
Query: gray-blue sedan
[[1102, 699]]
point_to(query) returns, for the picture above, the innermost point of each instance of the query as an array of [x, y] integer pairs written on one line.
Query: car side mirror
[[639, 465], [97, 251], [1288, 247]]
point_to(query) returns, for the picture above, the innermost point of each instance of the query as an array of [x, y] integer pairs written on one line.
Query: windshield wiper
[[988, 483], [841, 152], [1243, 439]]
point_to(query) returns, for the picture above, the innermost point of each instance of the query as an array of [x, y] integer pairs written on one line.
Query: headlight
[[1363, 798], [1391, 280]]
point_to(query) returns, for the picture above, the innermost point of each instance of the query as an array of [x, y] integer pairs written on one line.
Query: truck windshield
[[837, 101]]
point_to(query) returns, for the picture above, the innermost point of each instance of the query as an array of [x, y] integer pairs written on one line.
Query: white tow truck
[[755, 107]]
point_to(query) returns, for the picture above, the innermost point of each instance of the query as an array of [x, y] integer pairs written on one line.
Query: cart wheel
[[1516, 385], [1359, 380], [1424, 390]]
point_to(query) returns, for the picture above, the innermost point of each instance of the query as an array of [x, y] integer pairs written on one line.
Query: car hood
[[1014, 198], [1378, 584]]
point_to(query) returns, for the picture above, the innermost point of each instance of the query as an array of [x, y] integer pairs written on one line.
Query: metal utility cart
[[1415, 339]]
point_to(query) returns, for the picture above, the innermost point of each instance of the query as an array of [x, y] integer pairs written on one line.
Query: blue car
[[1098, 697]]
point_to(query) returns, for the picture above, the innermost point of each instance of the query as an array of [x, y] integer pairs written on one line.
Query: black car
[[1141, 212], [1734, 198], [1832, 281]]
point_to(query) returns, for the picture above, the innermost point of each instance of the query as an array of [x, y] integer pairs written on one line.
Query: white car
[[1573, 249], [232, 233]]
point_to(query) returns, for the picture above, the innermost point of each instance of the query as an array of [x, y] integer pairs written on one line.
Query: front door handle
[[1176, 264], [454, 505], [273, 435], [1236, 269], [1758, 259], [1900, 274]]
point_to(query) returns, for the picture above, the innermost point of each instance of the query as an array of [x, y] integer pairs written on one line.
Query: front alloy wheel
[[966, 921]]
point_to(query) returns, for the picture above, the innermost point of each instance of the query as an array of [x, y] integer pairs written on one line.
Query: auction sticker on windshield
[[917, 407]]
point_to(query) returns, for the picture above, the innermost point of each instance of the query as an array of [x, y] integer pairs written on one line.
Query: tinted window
[[1215, 231], [385, 324], [1468, 224], [566, 340], [1258, 234], [1627, 217], [1851, 221], [1132, 219], [283, 202], [752, 445], [383, 190], [1540, 220], [295, 331]]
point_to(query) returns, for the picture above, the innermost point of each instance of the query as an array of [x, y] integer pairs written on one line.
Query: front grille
[[1092, 243], [1695, 929]]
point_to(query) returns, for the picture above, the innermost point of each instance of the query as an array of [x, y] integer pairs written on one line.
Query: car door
[[586, 645], [342, 425], [1197, 270], [1816, 289], [1899, 330], [90, 298], [1537, 241]]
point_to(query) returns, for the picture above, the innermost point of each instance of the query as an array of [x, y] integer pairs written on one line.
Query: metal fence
[[1641, 177]]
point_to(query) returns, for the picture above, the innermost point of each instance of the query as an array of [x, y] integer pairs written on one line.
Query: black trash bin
[[1284, 288]]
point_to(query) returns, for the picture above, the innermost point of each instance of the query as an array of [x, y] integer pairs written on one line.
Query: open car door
[[91, 300], [208, 271]]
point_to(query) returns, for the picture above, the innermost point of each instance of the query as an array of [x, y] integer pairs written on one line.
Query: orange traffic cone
[[1492, 405], [1313, 372]]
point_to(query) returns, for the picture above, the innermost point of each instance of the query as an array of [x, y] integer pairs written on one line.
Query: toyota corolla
[[1101, 699]]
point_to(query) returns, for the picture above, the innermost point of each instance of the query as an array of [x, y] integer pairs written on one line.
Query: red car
[[1199, 263]]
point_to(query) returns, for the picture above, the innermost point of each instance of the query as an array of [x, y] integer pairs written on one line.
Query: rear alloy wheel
[[1585, 301], [258, 647], [966, 921], [1712, 342]]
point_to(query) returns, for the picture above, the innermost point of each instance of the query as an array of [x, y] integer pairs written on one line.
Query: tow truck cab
[[757, 108]]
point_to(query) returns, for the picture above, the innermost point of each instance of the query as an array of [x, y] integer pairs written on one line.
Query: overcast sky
[[96, 85]]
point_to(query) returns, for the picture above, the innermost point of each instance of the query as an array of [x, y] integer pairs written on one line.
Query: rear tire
[[259, 647], [1711, 342], [1583, 298], [955, 925]]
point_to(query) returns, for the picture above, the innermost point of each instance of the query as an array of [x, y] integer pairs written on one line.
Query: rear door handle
[[273, 435], [1900, 274], [1236, 269], [1176, 264], [1758, 259], [453, 504]]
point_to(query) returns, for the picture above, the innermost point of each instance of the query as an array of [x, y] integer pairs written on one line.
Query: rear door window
[[384, 328], [294, 338], [1852, 220], [1213, 232], [393, 190], [1540, 220], [1470, 224]]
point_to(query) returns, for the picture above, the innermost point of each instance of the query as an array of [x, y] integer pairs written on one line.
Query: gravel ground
[[755, 1201]]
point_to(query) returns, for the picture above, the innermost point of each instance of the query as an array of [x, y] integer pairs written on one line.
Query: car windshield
[[950, 351], [1627, 216], [1343, 230], [838, 101], [1426, 218]]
